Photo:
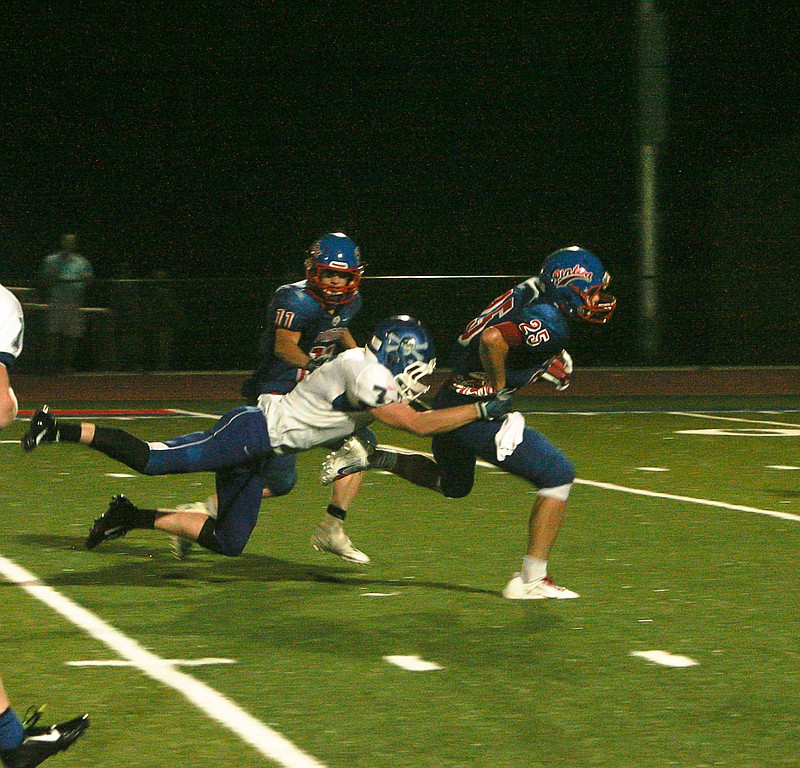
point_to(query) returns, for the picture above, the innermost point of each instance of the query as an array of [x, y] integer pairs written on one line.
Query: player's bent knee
[[456, 490], [560, 492], [222, 545], [560, 472], [282, 486]]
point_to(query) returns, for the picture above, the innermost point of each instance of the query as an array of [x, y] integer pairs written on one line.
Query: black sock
[[383, 459], [68, 432], [146, 518], [121, 446], [336, 511], [206, 537]]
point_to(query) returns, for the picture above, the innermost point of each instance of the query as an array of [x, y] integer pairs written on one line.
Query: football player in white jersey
[[11, 331], [23, 744], [337, 399]]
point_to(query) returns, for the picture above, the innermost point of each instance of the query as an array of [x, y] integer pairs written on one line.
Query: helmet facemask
[[596, 305], [409, 381], [332, 295]]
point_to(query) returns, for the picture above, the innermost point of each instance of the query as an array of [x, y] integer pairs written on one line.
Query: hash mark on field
[[665, 659], [267, 741], [412, 663]]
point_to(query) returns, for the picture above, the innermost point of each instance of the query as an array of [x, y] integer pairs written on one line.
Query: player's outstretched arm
[[402, 416]]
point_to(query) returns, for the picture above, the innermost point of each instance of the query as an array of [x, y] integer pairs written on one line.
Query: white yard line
[[669, 496], [268, 742], [689, 500], [731, 418]]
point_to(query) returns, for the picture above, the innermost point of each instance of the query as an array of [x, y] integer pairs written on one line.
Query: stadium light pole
[[652, 78]]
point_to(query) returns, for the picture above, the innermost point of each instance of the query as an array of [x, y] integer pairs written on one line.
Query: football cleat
[[541, 589], [352, 457], [180, 547], [39, 742], [43, 429], [116, 521], [330, 537]]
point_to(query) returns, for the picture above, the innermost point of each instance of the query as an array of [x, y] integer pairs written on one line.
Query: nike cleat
[[39, 742], [352, 457], [43, 429], [115, 522], [330, 537]]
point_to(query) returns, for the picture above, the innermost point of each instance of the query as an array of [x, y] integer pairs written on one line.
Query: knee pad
[[560, 492]]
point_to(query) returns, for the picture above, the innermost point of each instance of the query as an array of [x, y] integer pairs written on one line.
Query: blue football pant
[[535, 459], [235, 448]]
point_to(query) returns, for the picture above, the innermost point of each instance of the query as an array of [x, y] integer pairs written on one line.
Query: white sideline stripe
[[657, 495], [197, 414], [268, 742], [731, 418]]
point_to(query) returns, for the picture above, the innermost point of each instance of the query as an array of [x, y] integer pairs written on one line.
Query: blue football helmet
[[404, 346], [575, 281], [334, 252]]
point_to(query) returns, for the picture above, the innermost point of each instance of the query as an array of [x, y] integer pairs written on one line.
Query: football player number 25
[[500, 306]]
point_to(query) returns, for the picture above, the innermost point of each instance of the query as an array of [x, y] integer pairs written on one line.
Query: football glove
[[497, 407], [557, 370]]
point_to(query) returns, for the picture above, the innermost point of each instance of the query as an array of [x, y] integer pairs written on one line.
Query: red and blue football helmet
[[405, 346], [575, 281], [338, 253]]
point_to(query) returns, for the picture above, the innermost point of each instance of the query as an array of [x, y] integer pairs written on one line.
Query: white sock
[[533, 568]]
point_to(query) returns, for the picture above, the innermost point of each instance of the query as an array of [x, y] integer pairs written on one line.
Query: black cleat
[[115, 522], [39, 742], [43, 429]]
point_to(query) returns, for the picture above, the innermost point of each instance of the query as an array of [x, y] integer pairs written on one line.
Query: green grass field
[[521, 685]]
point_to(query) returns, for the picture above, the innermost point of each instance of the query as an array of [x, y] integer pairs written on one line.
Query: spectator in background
[[63, 279]]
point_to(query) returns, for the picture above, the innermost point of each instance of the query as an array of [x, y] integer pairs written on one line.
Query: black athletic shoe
[[39, 742], [116, 521], [43, 429]]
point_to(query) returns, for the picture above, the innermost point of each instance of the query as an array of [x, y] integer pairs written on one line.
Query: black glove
[[496, 408]]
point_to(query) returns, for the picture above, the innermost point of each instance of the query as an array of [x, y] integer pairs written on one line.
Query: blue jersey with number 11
[[295, 309]]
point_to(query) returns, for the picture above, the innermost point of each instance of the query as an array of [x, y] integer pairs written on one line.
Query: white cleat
[[541, 589], [352, 457], [330, 537]]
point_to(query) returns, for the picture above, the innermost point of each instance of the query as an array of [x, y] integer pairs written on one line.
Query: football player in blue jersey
[[307, 323], [521, 337]]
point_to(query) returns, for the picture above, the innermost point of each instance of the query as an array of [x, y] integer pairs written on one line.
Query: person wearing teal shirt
[[64, 277]]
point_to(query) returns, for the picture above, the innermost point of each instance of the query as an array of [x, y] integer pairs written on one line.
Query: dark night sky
[[443, 137]]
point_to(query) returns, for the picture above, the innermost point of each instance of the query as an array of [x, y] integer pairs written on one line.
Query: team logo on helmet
[[405, 348], [562, 277]]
